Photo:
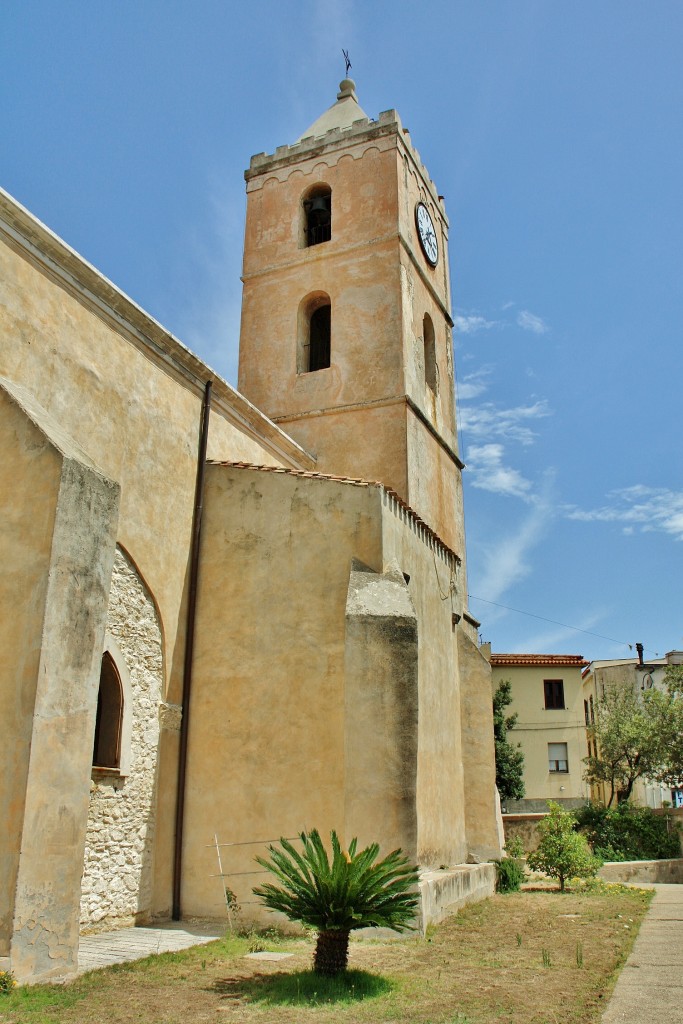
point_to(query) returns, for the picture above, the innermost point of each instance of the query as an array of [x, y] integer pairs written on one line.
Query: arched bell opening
[[317, 215]]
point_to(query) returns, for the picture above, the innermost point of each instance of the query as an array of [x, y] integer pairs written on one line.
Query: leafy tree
[[355, 890], [562, 853], [509, 758], [672, 774], [637, 735]]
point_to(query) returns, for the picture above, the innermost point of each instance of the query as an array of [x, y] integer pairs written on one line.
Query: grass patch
[[40, 1004], [304, 988], [518, 958]]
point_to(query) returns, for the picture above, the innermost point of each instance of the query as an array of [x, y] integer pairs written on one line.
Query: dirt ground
[[535, 957]]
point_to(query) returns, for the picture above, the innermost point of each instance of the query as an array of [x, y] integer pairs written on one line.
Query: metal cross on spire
[[347, 61]]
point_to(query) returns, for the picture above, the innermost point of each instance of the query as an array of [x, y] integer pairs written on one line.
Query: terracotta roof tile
[[569, 660]]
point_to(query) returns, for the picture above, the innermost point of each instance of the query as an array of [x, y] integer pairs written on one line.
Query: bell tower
[[346, 326]]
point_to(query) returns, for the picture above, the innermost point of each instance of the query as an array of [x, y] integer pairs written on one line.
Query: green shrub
[[562, 853], [510, 874], [629, 833]]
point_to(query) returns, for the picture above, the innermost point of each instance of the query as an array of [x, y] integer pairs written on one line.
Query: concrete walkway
[[650, 986], [106, 948]]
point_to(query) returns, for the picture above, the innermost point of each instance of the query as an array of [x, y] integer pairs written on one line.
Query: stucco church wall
[[364, 292], [417, 186], [116, 889], [442, 837], [266, 745], [422, 295], [135, 411], [435, 485], [357, 268], [374, 274], [29, 466], [72, 548], [335, 437], [130, 394], [362, 177], [482, 810], [381, 699]]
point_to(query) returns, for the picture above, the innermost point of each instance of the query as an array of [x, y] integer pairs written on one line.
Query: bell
[[319, 210]]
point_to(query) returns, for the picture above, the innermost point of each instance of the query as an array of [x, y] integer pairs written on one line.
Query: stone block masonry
[[117, 878]]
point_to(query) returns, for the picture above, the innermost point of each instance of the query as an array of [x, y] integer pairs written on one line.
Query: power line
[[554, 622]]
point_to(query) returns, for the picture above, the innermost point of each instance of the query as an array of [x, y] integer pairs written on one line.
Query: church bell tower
[[346, 325]]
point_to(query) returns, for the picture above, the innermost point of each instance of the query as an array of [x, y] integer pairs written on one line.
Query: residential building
[[640, 675], [547, 697]]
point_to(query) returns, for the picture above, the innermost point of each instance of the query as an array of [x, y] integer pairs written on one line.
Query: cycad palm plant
[[355, 890]]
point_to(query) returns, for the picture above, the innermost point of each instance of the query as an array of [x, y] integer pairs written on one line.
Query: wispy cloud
[[211, 320], [485, 463], [472, 323], [474, 384], [647, 509], [486, 421], [506, 559], [530, 322], [552, 635]]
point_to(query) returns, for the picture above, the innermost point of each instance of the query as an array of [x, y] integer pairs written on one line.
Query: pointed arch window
[[109, 720], [429, 341], [317, 207]]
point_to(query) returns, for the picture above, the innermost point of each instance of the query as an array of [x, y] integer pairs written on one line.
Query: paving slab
[[119, 947], [267, 955], [650, 986]]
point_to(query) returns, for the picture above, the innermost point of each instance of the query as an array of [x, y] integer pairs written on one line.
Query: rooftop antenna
[[346, 61]]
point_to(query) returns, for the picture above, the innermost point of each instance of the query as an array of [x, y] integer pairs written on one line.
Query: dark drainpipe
[[189, 649], [639, 648]]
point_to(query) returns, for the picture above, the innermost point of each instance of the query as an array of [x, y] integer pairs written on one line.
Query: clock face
[[427, 234]]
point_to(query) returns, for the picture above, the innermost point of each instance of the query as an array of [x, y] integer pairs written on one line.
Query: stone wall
[[117, 876], [643, 871], [522, 826]]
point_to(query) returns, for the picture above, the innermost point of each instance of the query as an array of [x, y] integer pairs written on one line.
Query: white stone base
[[445, 891]]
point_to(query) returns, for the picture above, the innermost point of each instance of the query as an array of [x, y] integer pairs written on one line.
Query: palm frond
[[350, 890]]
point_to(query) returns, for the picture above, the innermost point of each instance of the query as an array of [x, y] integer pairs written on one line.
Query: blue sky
[[554, 132]]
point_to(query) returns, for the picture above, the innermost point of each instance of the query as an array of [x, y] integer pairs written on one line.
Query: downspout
[[189, 649]]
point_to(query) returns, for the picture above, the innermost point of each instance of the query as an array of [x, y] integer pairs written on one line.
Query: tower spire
[[341, 114]]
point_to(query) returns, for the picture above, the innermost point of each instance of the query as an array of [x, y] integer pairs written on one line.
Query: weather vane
[[347, 61]]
